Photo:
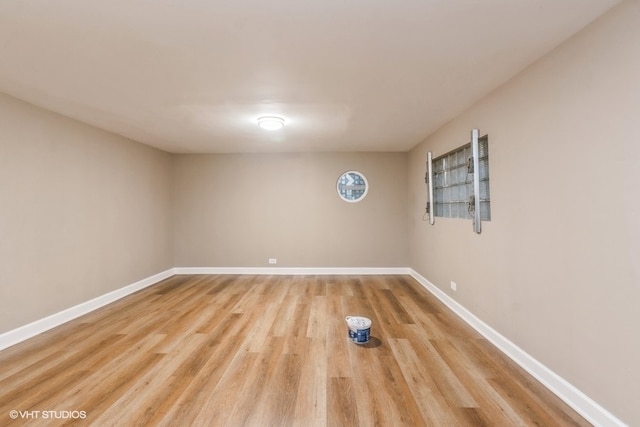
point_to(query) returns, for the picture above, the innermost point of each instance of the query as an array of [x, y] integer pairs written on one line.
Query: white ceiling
[[347, 75]]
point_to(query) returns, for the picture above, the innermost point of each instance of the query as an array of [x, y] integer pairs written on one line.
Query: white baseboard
[[293, 270], [25, 332], [580, 402]]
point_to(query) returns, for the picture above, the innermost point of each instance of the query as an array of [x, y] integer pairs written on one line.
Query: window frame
[[459, 182]]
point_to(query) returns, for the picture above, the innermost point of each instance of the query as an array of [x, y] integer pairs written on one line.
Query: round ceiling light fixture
[[271, 122]]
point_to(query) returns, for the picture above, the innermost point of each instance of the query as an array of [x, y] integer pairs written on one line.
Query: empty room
[[339, 213]]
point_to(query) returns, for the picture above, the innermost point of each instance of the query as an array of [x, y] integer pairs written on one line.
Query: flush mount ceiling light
[[271, 122]]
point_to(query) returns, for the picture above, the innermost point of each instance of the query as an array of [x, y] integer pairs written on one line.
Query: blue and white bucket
[[359, 329]]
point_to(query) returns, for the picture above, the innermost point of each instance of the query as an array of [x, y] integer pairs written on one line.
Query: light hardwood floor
[[271, 351]]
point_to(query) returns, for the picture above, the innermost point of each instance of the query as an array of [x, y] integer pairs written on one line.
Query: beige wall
[[83, 212], [240, 210], [557, 269]]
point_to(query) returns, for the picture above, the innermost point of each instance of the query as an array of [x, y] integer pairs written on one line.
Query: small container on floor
[[359, 329]]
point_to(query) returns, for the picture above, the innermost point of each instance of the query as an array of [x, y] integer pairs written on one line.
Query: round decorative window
[[352, 186]]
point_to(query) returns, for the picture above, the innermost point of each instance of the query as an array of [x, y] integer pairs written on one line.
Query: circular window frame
[[366, 187]]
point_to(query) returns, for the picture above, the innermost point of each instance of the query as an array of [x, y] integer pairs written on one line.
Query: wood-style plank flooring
[[227, 350]]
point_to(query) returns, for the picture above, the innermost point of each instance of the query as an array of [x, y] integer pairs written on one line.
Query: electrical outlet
[[273, 261], [454, 286]]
